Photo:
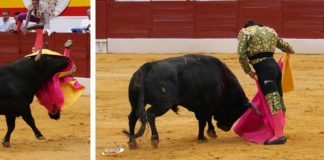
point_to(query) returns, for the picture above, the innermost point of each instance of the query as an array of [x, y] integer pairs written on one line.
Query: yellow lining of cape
[[287, 77], [71, 94], [45, 51]]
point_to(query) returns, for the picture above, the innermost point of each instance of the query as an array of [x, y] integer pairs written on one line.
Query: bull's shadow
[[171, 139]]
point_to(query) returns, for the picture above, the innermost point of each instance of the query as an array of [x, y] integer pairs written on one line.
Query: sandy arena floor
[[178, 133], [66, 139]]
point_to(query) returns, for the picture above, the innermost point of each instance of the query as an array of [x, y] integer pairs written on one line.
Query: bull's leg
[[201, 136], [202, 124], [132, 122], [28, 118], [211, 129], [152, 113], [11, 121]]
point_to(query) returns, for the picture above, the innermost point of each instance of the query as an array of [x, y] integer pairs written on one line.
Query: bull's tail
[[139, 110], [141, 130]]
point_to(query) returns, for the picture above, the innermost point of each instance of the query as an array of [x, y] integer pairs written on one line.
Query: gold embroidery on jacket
[[274, 101], [256, 39]]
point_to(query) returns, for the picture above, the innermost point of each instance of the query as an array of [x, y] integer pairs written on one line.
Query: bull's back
[[190, 79], [16, 75], [14, 92], [193, 70]]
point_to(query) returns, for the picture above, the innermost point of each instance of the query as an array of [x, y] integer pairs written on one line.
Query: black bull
[[18, 83], [202, 84]]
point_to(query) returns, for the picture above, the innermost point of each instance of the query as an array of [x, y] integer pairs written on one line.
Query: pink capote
[[51, 95], [256, 128]]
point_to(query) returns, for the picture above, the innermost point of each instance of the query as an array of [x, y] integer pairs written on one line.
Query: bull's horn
[[39, 56], [255, 109]]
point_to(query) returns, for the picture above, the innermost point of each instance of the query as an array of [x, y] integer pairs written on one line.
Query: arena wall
[[14, 46], [203, 26], [208, 45]]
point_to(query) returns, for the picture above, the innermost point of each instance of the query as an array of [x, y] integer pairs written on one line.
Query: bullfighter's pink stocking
[[278, 125]]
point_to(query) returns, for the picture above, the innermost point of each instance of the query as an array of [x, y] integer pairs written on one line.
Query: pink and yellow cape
[[62, 90], [256, 128]]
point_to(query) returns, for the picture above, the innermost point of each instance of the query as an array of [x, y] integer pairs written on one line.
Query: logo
[[112, 151]]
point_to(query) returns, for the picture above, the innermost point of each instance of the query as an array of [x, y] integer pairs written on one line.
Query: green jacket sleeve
[[284, 46], [242, 51]]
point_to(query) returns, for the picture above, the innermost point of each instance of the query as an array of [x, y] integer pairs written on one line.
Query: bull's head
[[234, 104], [226, 121], [50, 63], [55, 116]]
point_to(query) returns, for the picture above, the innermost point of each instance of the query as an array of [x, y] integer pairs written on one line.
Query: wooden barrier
[[207, 19], [14, 46]]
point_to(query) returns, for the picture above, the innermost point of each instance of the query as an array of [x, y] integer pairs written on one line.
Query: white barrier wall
[[174, 45], [85, 82], [64, 23]]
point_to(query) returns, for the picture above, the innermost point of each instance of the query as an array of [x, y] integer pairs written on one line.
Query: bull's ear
[[39, 56]]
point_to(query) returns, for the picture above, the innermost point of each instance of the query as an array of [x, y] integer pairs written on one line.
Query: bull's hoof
[[132, 144], [55, 116], [6, 144], [40, 137], [155, 142], [202, 140], [211, 134]]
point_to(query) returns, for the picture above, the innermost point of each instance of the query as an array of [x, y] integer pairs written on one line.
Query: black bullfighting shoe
[[35, 26], [68, 43], [280, 140]]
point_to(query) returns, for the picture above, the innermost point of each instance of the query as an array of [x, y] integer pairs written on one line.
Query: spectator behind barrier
[[85, 25], [13, 26], [5, 22]]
